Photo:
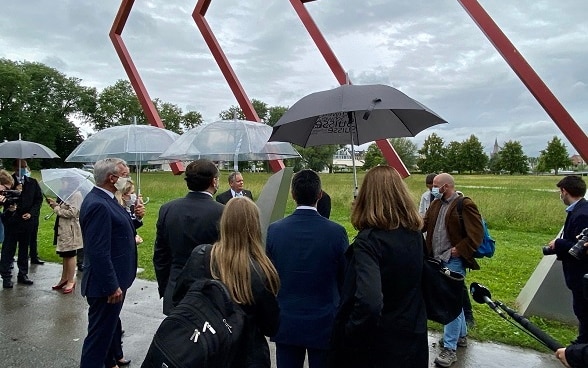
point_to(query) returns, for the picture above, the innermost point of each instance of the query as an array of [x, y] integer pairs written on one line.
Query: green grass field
[[523, 213]]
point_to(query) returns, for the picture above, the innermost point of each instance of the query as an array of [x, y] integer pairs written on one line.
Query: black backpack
[[203, 330]]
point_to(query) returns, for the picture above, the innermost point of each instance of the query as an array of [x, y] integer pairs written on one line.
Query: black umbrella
[[353, 114]]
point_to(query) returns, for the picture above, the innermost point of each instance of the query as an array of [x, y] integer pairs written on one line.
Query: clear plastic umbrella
[[138, 144], [70, 185], [226, 140]]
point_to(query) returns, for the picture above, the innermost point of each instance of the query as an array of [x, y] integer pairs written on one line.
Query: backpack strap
[[460, 200]]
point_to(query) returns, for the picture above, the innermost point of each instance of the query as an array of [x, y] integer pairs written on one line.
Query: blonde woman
[[67, 238], [382, 320], [239, 261]]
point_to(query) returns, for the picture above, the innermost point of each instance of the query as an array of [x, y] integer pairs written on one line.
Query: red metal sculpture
[[134, 77], [530, 79], [222, 61]]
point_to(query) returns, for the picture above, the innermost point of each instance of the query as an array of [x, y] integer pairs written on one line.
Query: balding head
[[445, 183]]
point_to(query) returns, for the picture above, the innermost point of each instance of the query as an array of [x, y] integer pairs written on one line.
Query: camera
[[11, 196], [579, 248], [547, 251]]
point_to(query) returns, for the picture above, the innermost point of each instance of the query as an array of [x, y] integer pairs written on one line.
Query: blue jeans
[[456, 328]]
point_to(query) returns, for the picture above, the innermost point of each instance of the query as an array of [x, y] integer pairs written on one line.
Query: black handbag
[[442, 291]]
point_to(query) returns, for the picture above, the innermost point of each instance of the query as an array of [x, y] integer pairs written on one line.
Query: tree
[[432, 155], [191, 119], [42, 106], [233, 112], [512, 159], [406, 150], [118, 105], [275, 113], [319, 157], [555, 156], [472, 157], [373, 157], [453, 154], [170, 114]]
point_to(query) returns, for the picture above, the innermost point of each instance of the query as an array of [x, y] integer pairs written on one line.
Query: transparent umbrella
[[138, 144], [70, 185], [226, 140]]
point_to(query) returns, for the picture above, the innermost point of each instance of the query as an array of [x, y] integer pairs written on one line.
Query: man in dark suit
[[21, 225], [572, 191], [110, 259], [236, 184], [185, 223], [308, 252], [22, 175]]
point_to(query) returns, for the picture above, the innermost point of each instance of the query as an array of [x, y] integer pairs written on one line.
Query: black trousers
[[13, 239], [33, 252], [580, 305]]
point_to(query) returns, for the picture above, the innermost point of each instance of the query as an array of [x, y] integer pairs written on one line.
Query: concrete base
[[273, 198], [545, 294]]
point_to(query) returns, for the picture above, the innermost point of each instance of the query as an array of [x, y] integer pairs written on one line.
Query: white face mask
[[121, 183], [132, 200]]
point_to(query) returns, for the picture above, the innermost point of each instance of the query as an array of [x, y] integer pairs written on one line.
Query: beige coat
[[69, 232]]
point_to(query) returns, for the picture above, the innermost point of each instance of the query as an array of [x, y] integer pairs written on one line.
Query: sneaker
[[446, 357], [462, 342]]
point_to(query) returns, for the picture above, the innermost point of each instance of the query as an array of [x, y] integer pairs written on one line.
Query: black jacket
[[31, 199], [182, 224], [382, 320], [574, 269], [263, 317], [225, 196]]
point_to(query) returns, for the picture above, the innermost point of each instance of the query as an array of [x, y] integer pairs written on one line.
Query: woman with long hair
[[239, 261], [382, 320]]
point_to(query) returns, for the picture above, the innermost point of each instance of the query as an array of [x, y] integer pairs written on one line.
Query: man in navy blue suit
[[110, 259], [572, 190], [308, 253]]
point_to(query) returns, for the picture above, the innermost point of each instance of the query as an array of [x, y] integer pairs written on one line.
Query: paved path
[[44, 328]]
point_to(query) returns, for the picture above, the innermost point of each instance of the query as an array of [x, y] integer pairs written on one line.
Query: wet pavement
[[40, 327]]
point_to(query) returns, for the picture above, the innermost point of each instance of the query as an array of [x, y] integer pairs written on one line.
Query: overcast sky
[[431, 50]]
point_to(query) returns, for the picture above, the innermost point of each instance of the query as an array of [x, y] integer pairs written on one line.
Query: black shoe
[[37, 261], [7, 284], [24, 279]]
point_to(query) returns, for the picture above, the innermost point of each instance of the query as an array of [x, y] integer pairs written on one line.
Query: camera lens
[[547, 251]]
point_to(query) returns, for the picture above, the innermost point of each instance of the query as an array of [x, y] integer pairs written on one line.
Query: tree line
[[42, 104]]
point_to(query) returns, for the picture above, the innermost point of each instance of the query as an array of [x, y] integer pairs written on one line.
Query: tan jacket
[[473, 224], [69, 233]]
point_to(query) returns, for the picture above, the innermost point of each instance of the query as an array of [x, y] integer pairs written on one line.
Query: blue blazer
[[308, 253], [110, 253], [574, 269]]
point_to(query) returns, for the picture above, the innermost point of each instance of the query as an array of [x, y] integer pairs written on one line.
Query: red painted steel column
[[321, 43], [228, 72], [528, 76], [134, 77]]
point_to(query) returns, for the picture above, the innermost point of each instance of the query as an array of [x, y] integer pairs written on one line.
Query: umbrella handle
[[47, 217]]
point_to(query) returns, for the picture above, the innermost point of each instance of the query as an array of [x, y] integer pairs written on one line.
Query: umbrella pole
[[350, 115]]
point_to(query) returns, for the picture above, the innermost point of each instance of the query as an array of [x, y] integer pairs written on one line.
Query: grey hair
[[233, 175], [106, 167]]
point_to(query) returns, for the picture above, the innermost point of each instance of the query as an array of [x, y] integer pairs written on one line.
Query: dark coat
[[263, 317], [31, 199], [110, 253], [308, 253], [183, 224], [225, 196], [466, 246], [577, 355], [574, 269], [382, 319]]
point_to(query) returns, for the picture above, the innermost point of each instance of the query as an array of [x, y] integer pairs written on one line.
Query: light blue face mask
[[24, 172], [435, 192]]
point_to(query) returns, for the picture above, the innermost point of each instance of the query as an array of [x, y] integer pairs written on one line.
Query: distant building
[[577, 160], [496, 149]]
